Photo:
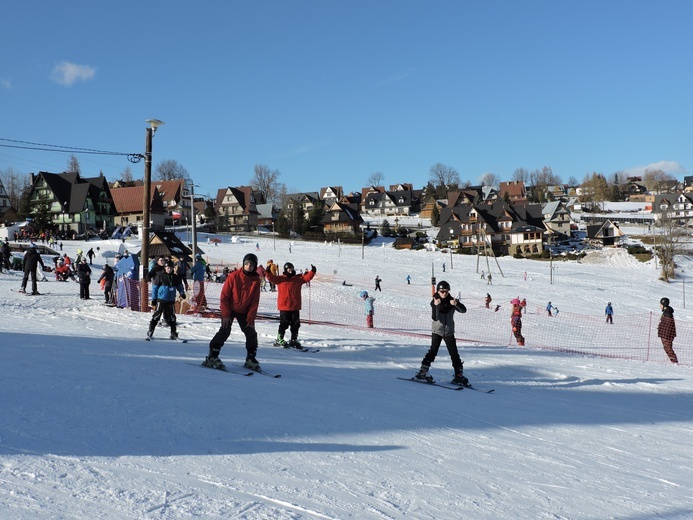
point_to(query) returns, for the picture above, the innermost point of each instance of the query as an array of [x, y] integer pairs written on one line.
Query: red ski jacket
[[289, 289], [241, 294]]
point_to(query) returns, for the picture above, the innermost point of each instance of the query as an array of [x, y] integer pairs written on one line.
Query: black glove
[[154, 302], [312, 268], [183, 296]]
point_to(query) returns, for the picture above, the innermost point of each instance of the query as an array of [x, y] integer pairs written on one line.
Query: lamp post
[[193, 224], [146, 198]]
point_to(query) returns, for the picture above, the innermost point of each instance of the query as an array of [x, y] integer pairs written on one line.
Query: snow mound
[[614, 257]]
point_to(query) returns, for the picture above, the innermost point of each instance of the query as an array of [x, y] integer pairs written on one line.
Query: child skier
[[369, 308], [164, 287], [289, 302], [443, 307], [516, 323]]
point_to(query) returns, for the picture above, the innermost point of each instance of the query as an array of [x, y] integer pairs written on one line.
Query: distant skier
[[550, 308], [609, 313], [488, 300], [369, 308], [377, 283], [666, 330], [516, 324]]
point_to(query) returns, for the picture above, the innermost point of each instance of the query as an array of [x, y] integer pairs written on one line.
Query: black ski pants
[[225, 331], [450, 343], [289, 320], [166, 309]]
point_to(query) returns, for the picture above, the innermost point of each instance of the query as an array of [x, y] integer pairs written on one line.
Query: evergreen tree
[[41, 215], [385, 230], [435, 216]]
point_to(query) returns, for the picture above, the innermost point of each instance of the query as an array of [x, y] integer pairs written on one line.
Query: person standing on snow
[[289, 302], [240, 297], [488, 300], [549, 308], [198, 271], [164, 287], [516, 323], [84, 277], [666, 330], [609, 313], [32, 259], [377, 283], [107, 277], [369, 308], [443, 307]]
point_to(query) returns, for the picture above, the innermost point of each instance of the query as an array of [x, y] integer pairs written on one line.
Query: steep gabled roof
[[129, 200]]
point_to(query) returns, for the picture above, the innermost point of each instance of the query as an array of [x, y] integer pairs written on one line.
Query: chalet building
[[342, 219], [236, 209], [305, 201], [78, 205], [330, 195], [608, 233], [130, 211], [8, 215], [515, 191], [506, 228], [556, 221]]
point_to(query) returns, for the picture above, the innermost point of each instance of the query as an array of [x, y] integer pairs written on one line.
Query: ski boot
[[213, 362], [252, 364], [423, 375], [294, 343], [150, 333], [280, 342], [22, 291], [174, 335], [459, 378]]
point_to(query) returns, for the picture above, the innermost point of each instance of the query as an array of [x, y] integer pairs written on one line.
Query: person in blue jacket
[[609, 313], [164, 287], [369, 308], [198, 271]]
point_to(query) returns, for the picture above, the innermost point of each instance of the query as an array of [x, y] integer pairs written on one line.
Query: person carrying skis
[[443, 307], [609, 313], [240, 297], [289, 302], [369, 308], [164, 286], [666, 330]]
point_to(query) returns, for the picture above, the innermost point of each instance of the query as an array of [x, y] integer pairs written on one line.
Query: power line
[[26, 145]]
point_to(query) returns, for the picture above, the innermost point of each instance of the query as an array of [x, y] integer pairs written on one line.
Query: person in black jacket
[[443, 307], [6, 255], [107, 276], [84, 277], [164, 286], [666, 329], [32, 259]]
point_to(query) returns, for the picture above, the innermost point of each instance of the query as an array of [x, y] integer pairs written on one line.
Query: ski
[[300, 349], [177, 339], [260, 371], [482, 390], [225, 369], [28, 293], [441, 385]]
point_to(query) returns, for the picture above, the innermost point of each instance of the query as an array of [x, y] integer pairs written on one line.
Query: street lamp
[[146, 198], [193, 227]]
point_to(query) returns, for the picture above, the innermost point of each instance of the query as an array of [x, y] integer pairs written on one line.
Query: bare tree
[[490, 179], [14, 183], [658, 180], [73, 165], [170, 170], [443, 178], [375, 179], [521, 174], [266, 181], [670, 242], [126, 175]]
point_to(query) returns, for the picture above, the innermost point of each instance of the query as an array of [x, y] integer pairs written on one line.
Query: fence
[[328, 303]]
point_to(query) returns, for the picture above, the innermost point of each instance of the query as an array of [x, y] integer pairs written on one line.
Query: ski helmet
[[287, 266], [363, 294], [664, 301], [443, 285], [251, 259]]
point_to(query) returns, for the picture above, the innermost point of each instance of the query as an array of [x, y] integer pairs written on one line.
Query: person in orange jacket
[[289, 302]]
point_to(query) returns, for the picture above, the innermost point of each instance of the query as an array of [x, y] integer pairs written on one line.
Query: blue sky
[[329, 92]]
